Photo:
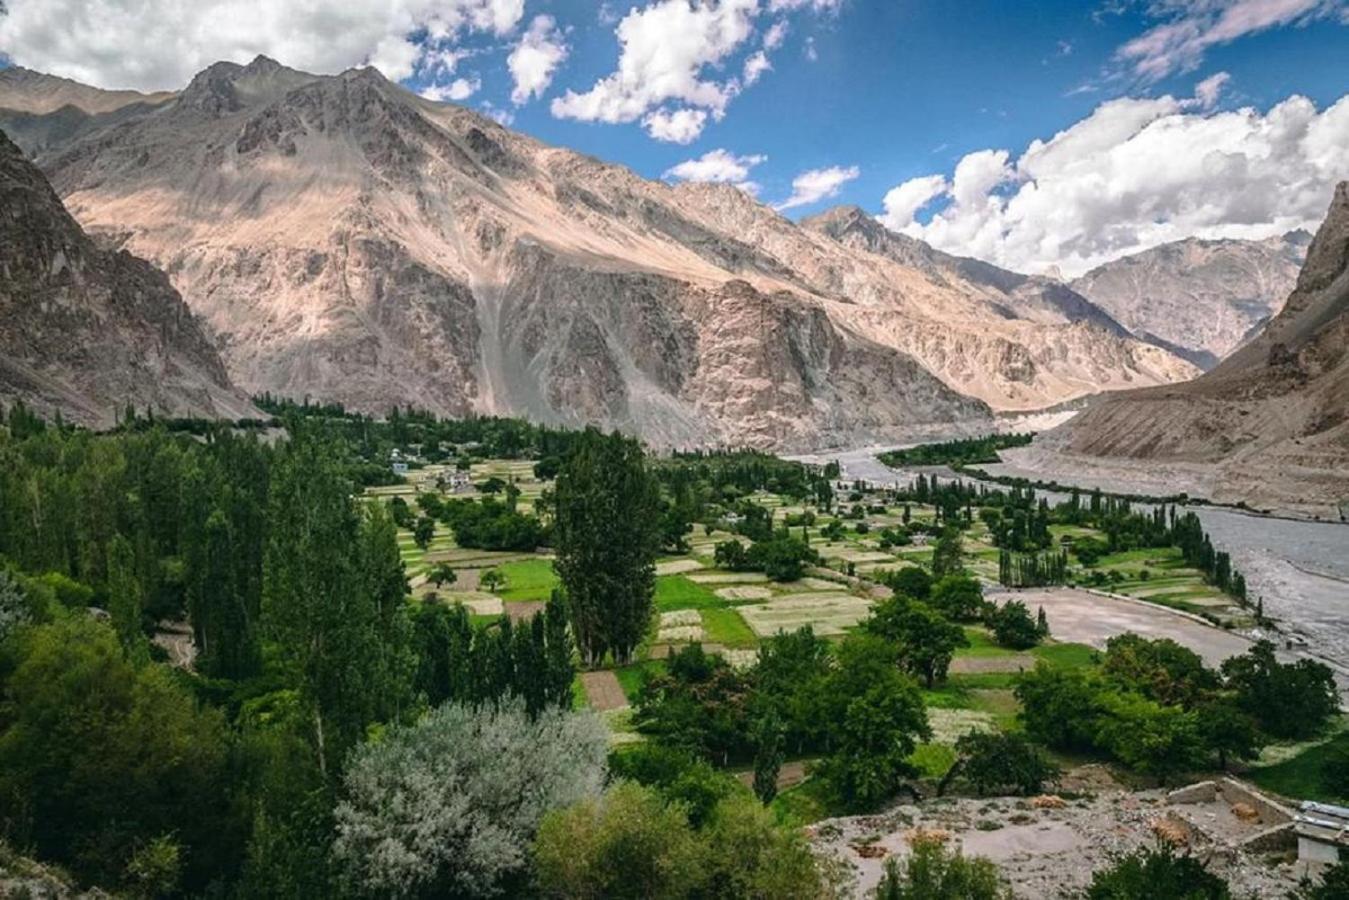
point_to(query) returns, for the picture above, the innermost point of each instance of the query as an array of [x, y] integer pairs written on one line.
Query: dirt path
[[974, 665], [603, 690]]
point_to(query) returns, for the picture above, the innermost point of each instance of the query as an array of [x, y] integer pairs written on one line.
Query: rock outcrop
[[1269, 425], [1201, 298], [85, 330], [348, 240]]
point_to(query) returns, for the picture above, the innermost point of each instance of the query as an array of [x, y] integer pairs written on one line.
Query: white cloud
[[1134, 174], [503, 117], [682, 126], [1190, 28], [458, 90], [720, 166], [158, 44], [1209, 91], [903, 203], [817, 184], [755, 65], [532, 63], [665, 47], [674, 54]]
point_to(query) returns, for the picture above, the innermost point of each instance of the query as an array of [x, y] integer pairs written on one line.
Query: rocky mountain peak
[[87, 330]]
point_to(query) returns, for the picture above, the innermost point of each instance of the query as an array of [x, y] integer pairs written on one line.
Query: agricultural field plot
[[829, 613], [528, 579], [477, 602], [677, 566]]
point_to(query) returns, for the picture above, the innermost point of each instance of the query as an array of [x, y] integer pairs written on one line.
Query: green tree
[[911, 581], [925, 641], [442, 574], [423, 532], [100, 756], [1227, 730], [1059, 706], [1289, 700], [1013, 626], [124, 595], [768, 757], [607, 533], [948, 554], [1000, 763], [1154, 874], [492, 579], [877, 720], [959, 597], [1150, 738], [329, 598], [225, 631], [932, 872], [628, 845]]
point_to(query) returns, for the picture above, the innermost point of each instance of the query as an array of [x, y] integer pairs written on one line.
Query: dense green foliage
[[1000, 763], [933, 872], [1156, 708], [1157, 874], [958, 452], [607, 533]]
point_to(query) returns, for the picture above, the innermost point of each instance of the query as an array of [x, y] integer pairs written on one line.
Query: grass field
[[1303, 776], [728, 628], [530, 579], [678, 592]]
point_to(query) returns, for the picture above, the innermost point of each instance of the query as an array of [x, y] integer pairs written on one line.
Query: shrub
[[1152, 874], [932, 872], [437, 808]]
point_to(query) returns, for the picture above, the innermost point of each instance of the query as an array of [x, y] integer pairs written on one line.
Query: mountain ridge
[[88, 330], [348, 240]]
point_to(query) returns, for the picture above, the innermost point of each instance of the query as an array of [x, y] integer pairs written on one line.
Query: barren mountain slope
[[1203, 297], [86, 330], [1269, 425], [347, 239], [1018, 341]]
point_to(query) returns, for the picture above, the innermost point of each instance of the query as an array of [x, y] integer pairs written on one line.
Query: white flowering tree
[[451, 804]]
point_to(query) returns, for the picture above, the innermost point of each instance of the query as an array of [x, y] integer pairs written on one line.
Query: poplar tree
[[607, 534]]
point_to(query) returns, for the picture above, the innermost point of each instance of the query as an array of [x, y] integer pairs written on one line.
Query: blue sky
[[904, 88], [919, 111]]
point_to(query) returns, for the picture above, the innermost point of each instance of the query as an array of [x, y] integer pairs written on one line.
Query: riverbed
[[1300, 568]]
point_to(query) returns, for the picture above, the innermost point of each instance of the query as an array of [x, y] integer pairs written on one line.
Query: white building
[[1322, 833]]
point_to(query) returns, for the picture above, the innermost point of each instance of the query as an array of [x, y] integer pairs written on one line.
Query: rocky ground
[[1049, 846]]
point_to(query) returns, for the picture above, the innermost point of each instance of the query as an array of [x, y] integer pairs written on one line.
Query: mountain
[[1269, 425], [346, 239], [1021, 342], [1202, 298], [87, 330]]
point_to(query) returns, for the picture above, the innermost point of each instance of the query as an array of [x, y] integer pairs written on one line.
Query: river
[[1300, 568]]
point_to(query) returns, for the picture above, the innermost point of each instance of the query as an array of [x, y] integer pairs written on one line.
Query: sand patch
[[750, 592], [677, 566]]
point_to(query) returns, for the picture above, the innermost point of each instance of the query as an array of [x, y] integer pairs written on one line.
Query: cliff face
[[1203, 298], [1270, 424], [86, 330], [348, 240]]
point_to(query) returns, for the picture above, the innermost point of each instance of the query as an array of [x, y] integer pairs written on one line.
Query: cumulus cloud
[[720, 166], [1190, 28], [814, 185], [902, 203], [673, 56], [680, 126], [458, 90], [534, 59], [1134, 174], [159, 44]]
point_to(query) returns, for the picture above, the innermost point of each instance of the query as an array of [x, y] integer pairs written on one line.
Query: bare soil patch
[[603, 690]]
